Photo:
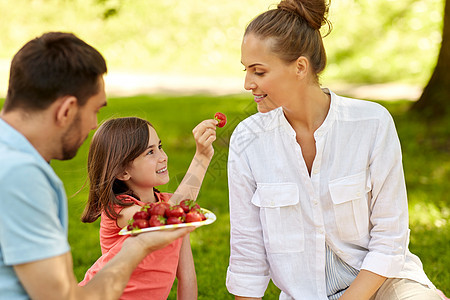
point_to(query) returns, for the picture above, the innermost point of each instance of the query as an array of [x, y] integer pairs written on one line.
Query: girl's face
[[149, 169], [270, 79]]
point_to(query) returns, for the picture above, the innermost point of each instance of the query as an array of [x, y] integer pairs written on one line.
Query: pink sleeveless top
[[154, 276]]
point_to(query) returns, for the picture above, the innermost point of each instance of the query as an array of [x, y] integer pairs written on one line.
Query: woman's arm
[[389, 215], [388, 205], [248, 270], [364, 286], [187, 279], [204, 134]]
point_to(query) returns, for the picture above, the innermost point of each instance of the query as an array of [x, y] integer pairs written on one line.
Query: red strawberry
[[193, 216], [188, 205], [147, 207], [140, 223], [157, 220], [175, 211], [221, 118], [174, 220], [141, 215], [159, 208]]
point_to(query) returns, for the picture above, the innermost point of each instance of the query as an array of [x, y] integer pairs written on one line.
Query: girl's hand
[[204, 135]]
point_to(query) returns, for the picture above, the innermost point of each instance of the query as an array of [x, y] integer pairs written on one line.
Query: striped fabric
[[339, 275]]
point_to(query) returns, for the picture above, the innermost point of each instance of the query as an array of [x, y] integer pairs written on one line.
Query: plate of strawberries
[[162, 215]]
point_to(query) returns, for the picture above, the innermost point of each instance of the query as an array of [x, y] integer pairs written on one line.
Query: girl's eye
[[160, 146], [150, 152]]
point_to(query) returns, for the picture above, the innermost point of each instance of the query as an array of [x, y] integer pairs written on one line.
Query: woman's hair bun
[[314, 12]]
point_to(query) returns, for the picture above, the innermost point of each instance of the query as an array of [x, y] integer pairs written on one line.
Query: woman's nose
[[249, 84]]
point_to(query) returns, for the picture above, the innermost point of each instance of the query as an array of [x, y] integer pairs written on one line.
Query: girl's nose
[[163, 156]]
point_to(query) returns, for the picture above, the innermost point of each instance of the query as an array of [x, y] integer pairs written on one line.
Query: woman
[[317, 193]]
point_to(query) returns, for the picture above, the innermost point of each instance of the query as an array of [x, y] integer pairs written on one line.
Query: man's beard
[[70, 140]]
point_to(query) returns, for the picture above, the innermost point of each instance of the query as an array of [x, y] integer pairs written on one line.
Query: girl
[[125, 163], [317, 193]]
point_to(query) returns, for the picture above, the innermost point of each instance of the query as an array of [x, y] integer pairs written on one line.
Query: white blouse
[[354, 201]]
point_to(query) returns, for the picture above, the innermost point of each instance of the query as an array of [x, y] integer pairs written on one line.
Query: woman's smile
[[259, 98]]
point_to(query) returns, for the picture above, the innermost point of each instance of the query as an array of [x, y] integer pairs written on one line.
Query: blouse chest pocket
[[281, 217], [350, 203]]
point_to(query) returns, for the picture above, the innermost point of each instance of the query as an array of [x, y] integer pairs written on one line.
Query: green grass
[[371, 41], [426, 161]]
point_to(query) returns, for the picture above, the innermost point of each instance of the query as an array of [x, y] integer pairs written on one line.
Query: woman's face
[[150, 168], [270, 79]]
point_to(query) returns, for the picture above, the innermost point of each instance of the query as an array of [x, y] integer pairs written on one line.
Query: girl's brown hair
[[294, 27], [115, 144]]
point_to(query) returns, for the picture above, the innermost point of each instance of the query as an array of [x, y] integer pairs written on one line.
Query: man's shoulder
[[22, 167], [11, 158]]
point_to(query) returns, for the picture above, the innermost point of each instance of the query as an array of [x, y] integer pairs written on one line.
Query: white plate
[[210, 218]]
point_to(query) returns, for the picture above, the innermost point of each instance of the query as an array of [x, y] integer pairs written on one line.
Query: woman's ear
[[124, 176], [66, 110], [302, 66]]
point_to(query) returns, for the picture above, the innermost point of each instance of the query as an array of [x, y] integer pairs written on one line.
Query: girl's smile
[[162, 171], [140, 177]]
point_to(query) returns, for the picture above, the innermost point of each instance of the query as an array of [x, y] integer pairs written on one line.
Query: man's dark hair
[[51, 66]]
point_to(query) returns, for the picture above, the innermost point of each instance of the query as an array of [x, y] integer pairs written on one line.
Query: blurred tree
[[435, 99], [111, 8]]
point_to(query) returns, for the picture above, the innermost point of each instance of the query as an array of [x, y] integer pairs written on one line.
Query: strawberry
[[147, 207], [157, 220], [188, 205], [221, 118], [175, 211], [159, 208], [193, 216], [140, 223], [174, 220], [141, 215]]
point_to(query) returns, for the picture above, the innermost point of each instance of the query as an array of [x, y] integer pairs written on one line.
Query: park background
[[177, 62]]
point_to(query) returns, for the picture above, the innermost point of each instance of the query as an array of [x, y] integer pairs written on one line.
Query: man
[[55, 91]]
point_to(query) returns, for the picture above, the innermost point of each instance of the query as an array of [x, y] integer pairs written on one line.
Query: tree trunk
[[435, 99]]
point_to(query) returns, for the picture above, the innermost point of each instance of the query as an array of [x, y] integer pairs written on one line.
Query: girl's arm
[[126, 214], [187, 279], [364, 286], [204, 134]]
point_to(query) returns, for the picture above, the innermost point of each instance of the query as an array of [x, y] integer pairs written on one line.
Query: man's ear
[[124, 176], [66, 110], [302, 67]]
